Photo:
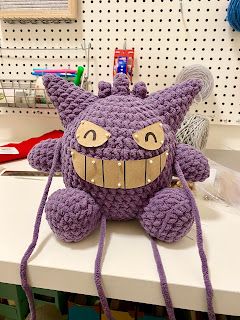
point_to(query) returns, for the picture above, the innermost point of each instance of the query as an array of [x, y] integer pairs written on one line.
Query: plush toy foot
[[72, 214], [168, 215]]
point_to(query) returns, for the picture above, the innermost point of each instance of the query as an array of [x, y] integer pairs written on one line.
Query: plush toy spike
[[104, 89], [140, 90], [174, 102], [66, 97], [121, 85]]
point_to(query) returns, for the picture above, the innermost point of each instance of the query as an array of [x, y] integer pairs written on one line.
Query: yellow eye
[[150, 137], [89, 134]]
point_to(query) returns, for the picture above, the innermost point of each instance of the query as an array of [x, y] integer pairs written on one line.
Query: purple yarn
[[140, 90], [175, 103], [208, 285], [74, 212], [163, 281], [168, 215], [67, 98], [98, 276], [120, 85], [41, 156], [121, 115], [196, 168], [29, 251], [162, 276], [104, 89]]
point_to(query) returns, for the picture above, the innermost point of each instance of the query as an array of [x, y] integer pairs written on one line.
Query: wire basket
[[23, 94]]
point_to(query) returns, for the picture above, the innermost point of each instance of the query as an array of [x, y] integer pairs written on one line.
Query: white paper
[[8, 150]]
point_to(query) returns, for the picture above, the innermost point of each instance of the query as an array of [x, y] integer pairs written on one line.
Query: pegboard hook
[[87, 55], [84, 47], [125, 44]]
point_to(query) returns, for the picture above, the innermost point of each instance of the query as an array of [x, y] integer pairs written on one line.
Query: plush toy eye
[[150, 137], [89, 134], [150, 134], [93, 133]]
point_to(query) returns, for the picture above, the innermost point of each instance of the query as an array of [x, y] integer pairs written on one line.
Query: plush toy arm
[[41, 155], [193, 163]]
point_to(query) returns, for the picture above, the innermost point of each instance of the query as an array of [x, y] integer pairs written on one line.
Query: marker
[[55, 71], [78, 76]]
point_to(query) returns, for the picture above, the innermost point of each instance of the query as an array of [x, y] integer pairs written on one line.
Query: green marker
[[77, 79]]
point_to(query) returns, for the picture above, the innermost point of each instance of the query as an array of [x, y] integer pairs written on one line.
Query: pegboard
[[165, 39]]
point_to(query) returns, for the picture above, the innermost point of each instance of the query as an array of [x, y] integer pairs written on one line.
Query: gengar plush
[[117, 156]]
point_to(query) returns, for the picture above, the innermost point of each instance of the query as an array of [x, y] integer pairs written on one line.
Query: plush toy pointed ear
[[174, 102], [66, 97]]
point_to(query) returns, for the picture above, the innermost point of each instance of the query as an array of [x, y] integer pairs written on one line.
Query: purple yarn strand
[[208, 285], [98, 276], [23, 267], [163, 281]]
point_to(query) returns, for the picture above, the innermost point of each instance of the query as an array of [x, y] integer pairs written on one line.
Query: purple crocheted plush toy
[[129, 131]]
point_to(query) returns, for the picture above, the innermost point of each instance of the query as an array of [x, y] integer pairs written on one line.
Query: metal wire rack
[[23, 94], [4, 53]]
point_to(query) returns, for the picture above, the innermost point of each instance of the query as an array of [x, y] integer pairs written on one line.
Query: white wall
[[18, 128], [224, 137]]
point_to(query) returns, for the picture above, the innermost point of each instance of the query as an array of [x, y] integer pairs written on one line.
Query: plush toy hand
[[41, 155], [193, 163]]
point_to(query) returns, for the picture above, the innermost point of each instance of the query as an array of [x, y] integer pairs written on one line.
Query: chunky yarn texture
[[73, 216], [74, 212]]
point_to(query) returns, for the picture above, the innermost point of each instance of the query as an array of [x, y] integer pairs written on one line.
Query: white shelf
[[129, 270]]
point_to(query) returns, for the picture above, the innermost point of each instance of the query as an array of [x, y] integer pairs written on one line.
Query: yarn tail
[[163, 281], [208, 285], [98, 276], [23, 267]]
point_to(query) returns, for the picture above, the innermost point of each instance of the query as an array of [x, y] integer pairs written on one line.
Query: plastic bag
[[222, 185]]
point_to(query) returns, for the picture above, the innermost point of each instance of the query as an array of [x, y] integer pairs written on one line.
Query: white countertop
[[129, 270]]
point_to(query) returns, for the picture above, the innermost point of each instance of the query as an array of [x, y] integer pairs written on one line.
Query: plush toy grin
[[116, 174]]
